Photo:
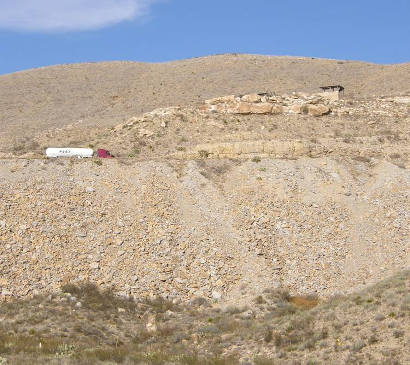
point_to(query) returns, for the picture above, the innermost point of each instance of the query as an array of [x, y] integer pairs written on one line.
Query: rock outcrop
[[267, 103]]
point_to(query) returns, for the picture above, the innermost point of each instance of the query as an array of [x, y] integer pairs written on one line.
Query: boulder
[[317, 110], [261, 108], [295, 109], [244, 108]]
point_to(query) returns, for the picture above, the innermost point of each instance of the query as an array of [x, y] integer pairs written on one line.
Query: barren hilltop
[[240, 194], [105, 94]]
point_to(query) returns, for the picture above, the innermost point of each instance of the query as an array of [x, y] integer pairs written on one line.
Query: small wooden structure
[[332, 88]]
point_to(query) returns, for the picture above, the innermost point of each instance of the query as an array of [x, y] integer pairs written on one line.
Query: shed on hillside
[[333, 88]]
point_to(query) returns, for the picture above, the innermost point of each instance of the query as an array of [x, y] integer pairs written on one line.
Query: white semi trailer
[[69, 152]]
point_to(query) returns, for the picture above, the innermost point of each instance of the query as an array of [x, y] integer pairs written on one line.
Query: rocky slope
[[235, 201], [215, 203], [209, 228]]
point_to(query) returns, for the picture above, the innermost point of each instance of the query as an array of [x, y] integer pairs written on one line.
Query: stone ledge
[[298, 103]]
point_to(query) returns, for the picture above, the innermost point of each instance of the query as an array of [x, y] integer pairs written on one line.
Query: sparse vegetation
[[203, 154], [305, 109], [109, 328], [256, 159]]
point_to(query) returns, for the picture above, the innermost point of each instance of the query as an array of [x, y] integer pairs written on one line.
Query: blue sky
[[36, 33]]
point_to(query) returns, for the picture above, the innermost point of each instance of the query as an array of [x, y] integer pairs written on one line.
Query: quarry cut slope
[[212, 228]]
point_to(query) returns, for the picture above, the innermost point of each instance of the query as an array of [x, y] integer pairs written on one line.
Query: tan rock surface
[[318, 110], [261, 108]]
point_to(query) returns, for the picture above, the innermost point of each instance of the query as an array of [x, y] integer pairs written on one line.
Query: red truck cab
[[101, 153]]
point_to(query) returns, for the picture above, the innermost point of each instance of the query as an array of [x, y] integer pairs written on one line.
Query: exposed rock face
[[315, 105], [261, 108], [279, 149], [244, 108]]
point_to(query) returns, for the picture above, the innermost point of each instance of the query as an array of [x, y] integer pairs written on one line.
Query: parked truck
[[77, 152], [70, 152]]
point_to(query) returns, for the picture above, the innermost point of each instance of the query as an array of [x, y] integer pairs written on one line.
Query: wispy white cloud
[[68, 15]]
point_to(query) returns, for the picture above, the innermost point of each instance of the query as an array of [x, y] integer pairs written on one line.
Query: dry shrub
[[161, 305], [105, 354], [259, 300], [262, 360], [203, 154], [300, 332], [15, 344], [91, 297], [305, 302], [227, 324], [256, 159]]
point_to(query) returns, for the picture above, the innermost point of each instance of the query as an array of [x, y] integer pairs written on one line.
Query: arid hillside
[[222, 200], [105, 94], [243, 220]]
